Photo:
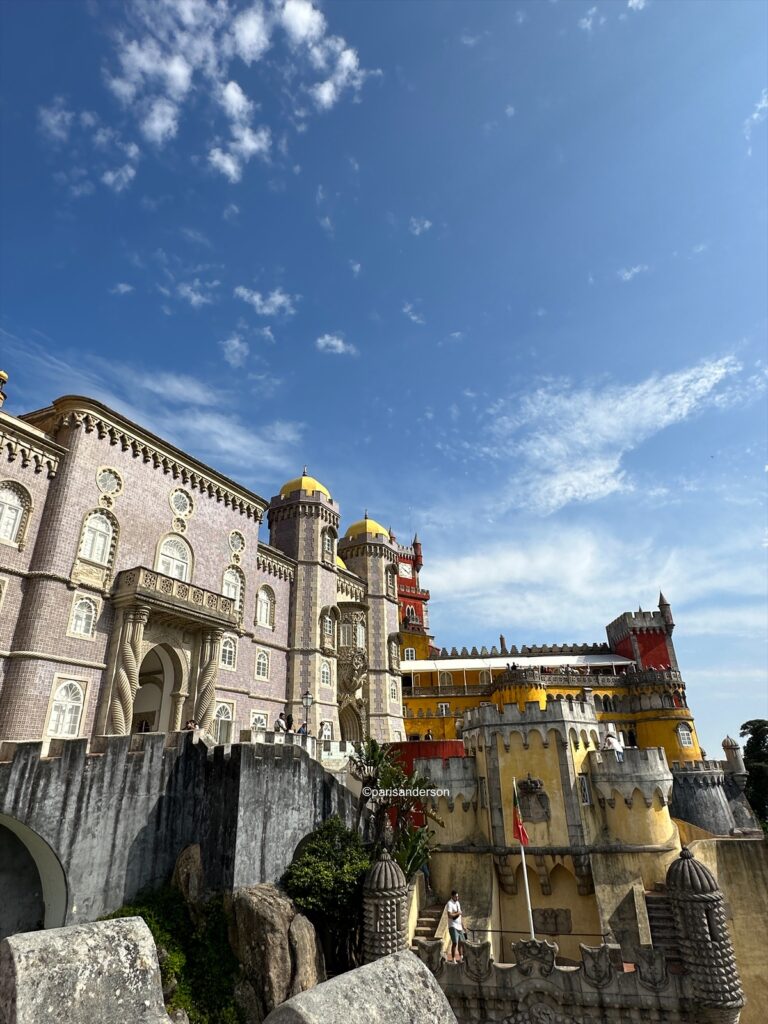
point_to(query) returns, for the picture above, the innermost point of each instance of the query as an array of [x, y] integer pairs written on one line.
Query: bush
[[325, 882], [198, 955]]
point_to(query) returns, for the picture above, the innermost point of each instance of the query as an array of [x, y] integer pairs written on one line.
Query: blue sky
[[494, 271]]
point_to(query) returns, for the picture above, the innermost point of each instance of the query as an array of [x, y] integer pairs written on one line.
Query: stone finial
[[385, 925], [3, 382], [729, 743]]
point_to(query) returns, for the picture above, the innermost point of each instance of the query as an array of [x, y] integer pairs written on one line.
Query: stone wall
[[115, 820]]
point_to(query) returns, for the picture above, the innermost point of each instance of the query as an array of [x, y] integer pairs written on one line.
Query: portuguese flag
[[518, 828]]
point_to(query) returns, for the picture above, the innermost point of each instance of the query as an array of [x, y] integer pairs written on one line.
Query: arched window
[[67, 709], [359, 634], [326, 626], [607, 703], [410, 613], [485, 678], [446, 679], [232, 585], [409, 654], [222, 723], [325, 674], [228, 655], [83, 617], [393, 691], [329, 546], [265, 608], [175, 559], [666, 700], [15, 504], [96, 544], [262, 665], [685, 735]]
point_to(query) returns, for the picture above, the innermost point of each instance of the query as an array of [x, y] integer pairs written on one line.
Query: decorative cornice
[[20, 440], [346, 587], [352, 549], [58, 658], [93, 417], [275, 566], [306, 509]]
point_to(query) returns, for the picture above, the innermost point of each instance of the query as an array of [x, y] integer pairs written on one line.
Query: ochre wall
[[640, 825]]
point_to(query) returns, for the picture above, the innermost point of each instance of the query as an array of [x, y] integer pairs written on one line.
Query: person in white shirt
[[455, 928], [612, 742], [280, 723]]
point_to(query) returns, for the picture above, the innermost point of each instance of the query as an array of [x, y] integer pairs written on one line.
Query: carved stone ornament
[[596, 965], [651, 967], [534, 802], [430, 952], [477, 960], [539, 1013], [530, 953], [352, 668], [552, 921]]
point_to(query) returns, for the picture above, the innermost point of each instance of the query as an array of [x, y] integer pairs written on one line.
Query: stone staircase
[[662, 924], [429, 919]]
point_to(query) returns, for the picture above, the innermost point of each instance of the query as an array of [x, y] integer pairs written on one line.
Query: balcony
[[180, 602]]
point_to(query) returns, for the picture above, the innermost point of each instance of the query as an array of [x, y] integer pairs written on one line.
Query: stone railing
[[134, 586], [536, 989]]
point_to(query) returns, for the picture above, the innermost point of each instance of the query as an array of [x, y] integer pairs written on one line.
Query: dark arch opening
[[33, 886]]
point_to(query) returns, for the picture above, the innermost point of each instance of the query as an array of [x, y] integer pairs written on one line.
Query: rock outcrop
[[397, 989], [277, 947], [101, 973]]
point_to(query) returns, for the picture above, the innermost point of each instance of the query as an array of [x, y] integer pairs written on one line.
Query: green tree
[[756, 763], [325, 881], [369, 763]]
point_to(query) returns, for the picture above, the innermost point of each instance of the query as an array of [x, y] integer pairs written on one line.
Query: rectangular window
[[393, 694], [223, 723], [346, 634], [410, 654], [584, 791], [443, 710]]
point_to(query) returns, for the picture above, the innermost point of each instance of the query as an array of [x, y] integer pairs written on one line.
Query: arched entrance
[[159, 679], [350, 724], [33, 887]]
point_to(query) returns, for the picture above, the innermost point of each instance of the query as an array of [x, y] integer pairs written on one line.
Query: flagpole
[[525, 874]]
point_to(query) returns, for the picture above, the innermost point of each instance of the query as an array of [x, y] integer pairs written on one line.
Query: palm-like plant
[[369, 764]]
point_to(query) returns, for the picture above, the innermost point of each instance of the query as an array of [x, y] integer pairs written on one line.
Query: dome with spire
[[686, 874], [340, 563], [385, 876], [729, 743], [365, 525], [309, 484]]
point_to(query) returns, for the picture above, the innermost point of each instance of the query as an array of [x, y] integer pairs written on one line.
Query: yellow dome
[[340, 562], [304, 483], [364, 526]]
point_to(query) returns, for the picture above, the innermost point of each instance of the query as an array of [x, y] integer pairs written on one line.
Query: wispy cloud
[[590, 19], [197, 293], [277, 303], [636, 5], [55, 121], [419, 225], [235, 350], [758, 115], [119, 178], [121, 288], [193, 235], [470, 40], [509, 110], [334, 344], [413, 314], [355, 267], [231, 212], [628, 273]]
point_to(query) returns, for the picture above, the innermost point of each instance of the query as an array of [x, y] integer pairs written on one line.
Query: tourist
[[289, 723], [612, 742], [455, 928], [280, 723], [302, 730], [428, 735], [191, 724]]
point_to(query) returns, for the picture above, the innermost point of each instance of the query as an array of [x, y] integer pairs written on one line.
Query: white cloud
[[355, 267], [326, 224], [627, 273], [234, 101], [413, 314], [197, 293], [250, 31], [121, 288], [302, 22], [418, 225], [568, 445], [509, 110], [119, 178], [193, 235], [266, 334], [56, 121], [247, 143], [161, 122], [467, 39], [636, 5], [228, 164], [235, 350], [335, 344], [231, 212], [758, 114], [276, 303], [588, 21]]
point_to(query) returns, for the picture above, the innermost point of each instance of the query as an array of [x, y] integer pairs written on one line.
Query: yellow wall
[[640, 825], [657, 729]]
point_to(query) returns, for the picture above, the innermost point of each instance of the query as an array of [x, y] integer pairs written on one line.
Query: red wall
[[427, 748], [653, 650]]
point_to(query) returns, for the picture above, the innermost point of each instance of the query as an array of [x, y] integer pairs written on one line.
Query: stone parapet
[[645, 770], [190, 602], [576, 712]]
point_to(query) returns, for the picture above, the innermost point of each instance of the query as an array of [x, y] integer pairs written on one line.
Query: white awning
[[520, 661]]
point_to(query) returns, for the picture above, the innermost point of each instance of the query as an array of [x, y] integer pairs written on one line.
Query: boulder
[[101, 973], [277, 948], [397, 989]]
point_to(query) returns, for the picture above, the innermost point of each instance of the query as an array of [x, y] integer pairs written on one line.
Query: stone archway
[[158, 699], [33, 886], [350, 724]]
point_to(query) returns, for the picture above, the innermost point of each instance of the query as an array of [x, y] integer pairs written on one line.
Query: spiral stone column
[[127, 675], [205, 704]]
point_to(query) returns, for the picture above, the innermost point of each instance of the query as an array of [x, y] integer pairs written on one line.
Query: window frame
[[178, 538], [228, 638], [230, 704], [325, 667], [25, 510], [80, 598], [261, 656], [409, 654], [269, 594], [684, 729], [446, 713], [59, 681], [107, 561]]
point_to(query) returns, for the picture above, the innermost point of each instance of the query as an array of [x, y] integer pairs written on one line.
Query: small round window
[[181, 503], [236, 541], [108, 481]]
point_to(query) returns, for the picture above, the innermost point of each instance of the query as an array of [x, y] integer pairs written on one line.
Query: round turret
[[686, 874], [729, 743], [365, 526], [385, 876], [308, 484], [385, 924]]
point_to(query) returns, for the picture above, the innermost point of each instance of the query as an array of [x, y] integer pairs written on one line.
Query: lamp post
[[307, 700]]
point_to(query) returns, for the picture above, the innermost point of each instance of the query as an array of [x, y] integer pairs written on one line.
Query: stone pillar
[[705, 944], [205, 703], [385, 924], [127, 674]]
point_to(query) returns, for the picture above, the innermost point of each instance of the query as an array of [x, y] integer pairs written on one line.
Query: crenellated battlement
[[569, 712], [645, 770], [456, 774], [634, 622]]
